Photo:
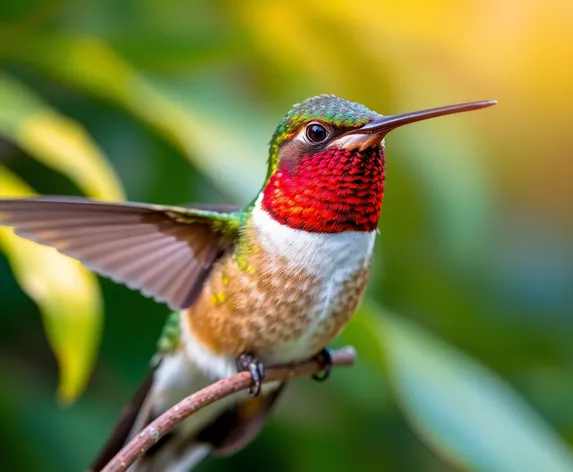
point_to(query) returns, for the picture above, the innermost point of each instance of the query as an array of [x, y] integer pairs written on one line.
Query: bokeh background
[[465, 339]]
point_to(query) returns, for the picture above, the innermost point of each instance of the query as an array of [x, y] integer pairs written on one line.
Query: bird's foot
[[252, 364], [324, 358]]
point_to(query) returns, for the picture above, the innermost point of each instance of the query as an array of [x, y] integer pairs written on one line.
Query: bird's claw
[[250, 363], [324, 358]]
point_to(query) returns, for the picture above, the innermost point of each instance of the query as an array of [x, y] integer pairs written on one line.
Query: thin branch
[[189, 405]]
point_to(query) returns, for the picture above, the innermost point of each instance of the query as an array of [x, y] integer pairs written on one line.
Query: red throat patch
[[328, 192]]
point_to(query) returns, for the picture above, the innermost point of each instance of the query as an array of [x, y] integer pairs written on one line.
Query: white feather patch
[[332, 257], [321, 253]]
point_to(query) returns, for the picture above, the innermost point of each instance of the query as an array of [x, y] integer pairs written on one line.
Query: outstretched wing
[[165, 252]]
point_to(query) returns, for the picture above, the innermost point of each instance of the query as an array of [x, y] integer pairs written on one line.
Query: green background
[[465, 359]]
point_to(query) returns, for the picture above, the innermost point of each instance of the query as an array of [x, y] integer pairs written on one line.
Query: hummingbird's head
[[326, 163], [314, 125]]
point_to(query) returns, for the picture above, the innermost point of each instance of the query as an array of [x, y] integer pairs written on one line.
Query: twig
[[189, 405]]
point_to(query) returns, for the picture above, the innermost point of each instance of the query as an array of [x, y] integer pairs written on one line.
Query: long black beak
[[379, 127], [387, 123]]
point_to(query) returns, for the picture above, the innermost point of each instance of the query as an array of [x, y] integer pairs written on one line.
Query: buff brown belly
[[275, 311]]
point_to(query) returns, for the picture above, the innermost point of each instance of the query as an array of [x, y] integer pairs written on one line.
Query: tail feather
[[233, 429], [171, 457], [222, 428], [230, 431]]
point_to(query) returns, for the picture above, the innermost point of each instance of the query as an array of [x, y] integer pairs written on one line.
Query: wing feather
[[164, 252]]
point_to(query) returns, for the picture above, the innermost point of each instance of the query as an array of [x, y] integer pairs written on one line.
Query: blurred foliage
[[104, 98]]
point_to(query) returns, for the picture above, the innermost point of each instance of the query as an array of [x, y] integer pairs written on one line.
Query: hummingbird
[[274, 282]]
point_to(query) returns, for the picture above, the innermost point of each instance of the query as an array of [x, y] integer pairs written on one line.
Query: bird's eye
[[316, 133]]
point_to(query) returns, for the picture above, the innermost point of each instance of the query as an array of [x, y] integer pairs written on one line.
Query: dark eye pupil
[[316, 133]]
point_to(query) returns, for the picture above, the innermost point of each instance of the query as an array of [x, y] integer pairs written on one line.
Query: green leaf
[[460, 408], [55, 140], [70, 303]]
